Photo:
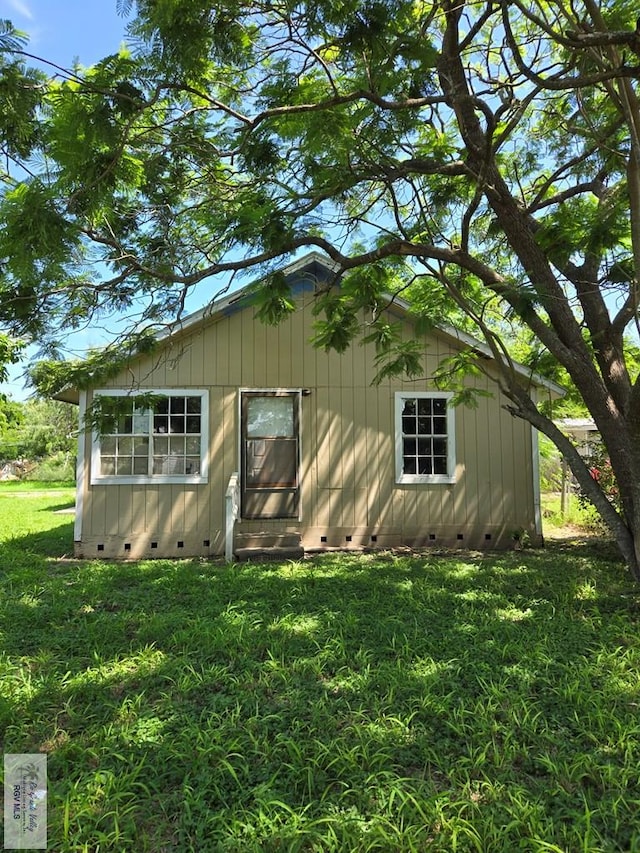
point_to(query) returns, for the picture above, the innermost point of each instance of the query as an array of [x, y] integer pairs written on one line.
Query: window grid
[[166, 440], [424, 436]]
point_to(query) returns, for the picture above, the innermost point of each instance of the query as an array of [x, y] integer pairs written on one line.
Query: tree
[[11, 420], [36, 428], [48, 427], [480, 156]]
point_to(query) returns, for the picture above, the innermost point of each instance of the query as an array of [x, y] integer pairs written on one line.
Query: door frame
[[297, 394]]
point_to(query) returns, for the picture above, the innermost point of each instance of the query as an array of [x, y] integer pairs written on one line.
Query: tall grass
[[374, 703]]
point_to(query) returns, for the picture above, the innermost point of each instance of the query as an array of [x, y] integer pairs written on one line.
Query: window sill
[[425, 479], [161, 479]]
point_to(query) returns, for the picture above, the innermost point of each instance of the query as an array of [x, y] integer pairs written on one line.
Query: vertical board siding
[[347, 460], [475, 446], [258, 357], [96, 509], [139, 521]]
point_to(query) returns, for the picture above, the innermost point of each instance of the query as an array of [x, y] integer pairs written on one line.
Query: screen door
[[270, 454]]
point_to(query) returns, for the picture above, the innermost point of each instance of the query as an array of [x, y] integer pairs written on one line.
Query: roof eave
[[212, 310]]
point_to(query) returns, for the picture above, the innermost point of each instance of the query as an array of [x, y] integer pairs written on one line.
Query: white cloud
[[20, 8]]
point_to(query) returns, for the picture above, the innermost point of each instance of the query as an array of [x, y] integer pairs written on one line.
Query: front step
[[268, 546]]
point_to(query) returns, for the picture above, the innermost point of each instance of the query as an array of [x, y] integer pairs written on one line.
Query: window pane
[[424, 426], [125, 446], [162, 407], [140, 465], [425, 465], [108, 445], [439, 465], [440, 446], [192, 465], [161, 445], [408, 425], [409, 465], [141, 423], [176, 423], [160, 423], [424, 406], [409, 446], [424, 447], [439, 426], [270, 417], [193, 423], [125, 424], [123, 465], [176, 446], [409, 407], [158, 464], [173, 465], [440, 406], [108, 465], [194, 405], [177, 405], [141, 446], [193, 445]]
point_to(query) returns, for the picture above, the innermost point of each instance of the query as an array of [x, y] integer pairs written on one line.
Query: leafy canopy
[[233, 135], [479, 159]]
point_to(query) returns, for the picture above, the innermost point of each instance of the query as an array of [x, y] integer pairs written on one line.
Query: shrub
[[602, 472], [56, 468]]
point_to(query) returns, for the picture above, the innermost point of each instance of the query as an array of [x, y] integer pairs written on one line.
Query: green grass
[[582, 517], [11, 486], [35, 522], [375, 703]]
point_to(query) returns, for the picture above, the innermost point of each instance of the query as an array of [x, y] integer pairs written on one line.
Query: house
[[585, 435], [309, 450]]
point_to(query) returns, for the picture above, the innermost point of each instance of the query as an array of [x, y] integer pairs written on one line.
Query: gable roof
[[312, 268]]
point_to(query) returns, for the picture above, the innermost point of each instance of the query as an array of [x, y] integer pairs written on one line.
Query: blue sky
[[64, 30]]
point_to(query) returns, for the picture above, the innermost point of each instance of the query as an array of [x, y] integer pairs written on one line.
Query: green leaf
[[273, 299]]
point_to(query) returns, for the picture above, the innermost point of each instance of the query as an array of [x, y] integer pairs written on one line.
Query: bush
[[550, 465], [58, 467], [602, 473]]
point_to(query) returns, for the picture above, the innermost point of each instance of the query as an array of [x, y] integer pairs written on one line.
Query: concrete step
[[267, 540], [273, 552]]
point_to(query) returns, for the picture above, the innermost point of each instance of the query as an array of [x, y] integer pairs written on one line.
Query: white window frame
[[98, 478], [450, 476]]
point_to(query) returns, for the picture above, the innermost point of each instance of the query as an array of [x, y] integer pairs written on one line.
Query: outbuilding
[[257, 440]]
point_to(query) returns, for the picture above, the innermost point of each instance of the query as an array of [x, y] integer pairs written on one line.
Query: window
[[166, 442], [425, 438]]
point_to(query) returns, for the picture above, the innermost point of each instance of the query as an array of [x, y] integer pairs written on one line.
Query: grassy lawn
[[376, 703], [11, 486]]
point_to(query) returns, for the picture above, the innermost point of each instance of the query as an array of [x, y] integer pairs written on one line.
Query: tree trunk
[[624, 529]]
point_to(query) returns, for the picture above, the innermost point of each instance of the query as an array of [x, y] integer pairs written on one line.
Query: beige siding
[[347, 451]]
